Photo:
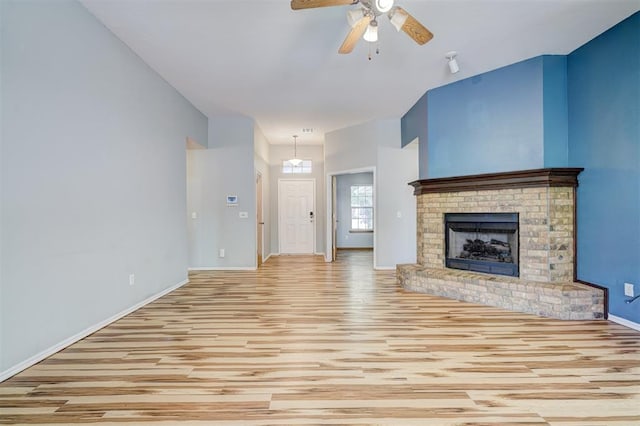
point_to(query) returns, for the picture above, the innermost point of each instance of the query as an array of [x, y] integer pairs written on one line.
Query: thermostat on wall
[[232, 200]]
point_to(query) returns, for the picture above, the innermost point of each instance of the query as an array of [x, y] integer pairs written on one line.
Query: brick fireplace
[[543, 200]]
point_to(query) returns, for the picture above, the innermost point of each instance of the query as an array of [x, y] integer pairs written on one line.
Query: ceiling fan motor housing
[[378, 7]]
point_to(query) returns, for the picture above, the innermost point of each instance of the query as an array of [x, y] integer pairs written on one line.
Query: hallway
[[301, 341]]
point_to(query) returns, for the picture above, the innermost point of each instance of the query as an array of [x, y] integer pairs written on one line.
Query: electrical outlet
[[221, 253], [628, 290], [132, 279]]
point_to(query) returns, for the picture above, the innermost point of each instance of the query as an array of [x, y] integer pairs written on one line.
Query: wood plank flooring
[[305, 342]]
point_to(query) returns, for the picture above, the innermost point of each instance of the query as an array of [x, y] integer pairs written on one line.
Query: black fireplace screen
[[482, 242]]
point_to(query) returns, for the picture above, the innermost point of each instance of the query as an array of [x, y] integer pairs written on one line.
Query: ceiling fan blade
[[354, 35], [414, 29], [310, 4]]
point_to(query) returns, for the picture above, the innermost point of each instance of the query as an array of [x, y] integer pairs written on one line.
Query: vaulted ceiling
[[281, 67]]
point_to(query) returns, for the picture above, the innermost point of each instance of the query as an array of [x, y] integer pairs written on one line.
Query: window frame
[[353, 207], [304, 168]]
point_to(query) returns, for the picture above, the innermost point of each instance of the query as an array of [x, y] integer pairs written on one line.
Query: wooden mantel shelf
[[491, 181]]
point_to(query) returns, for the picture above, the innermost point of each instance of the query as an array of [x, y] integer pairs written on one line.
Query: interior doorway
[[342, 222], [355, 211], [296, 216]]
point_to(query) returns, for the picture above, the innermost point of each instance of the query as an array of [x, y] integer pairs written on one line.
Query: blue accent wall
[[555, 111], [492, 122], [580, 110], [604, 138], [414, 125]]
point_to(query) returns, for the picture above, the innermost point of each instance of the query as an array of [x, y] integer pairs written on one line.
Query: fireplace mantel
[[550, 177]]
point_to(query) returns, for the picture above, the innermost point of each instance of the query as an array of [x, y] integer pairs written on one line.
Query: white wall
[[345, 238], [277, 154], [93, 177], [376, 145], [227, 167]]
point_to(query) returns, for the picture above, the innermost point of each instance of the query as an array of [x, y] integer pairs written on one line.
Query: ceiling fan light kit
[[364, 20], [398, 17], [371, 35], [355, 15]]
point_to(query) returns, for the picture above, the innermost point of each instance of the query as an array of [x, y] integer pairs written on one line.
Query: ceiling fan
[[364, 20]]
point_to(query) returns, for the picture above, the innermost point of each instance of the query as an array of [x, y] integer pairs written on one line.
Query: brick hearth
[[545, 201]]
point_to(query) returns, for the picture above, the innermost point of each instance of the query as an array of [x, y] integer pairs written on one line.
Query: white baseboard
[[224, 268], [12, 371], [267, 258], [625, 322]]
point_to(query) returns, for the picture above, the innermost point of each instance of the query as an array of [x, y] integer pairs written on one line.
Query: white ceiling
[[281, 67]]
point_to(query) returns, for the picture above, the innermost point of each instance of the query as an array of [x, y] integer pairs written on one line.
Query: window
[[362, 207], [304, 167]]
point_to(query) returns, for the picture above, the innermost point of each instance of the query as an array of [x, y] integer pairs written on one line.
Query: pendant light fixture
[[295, 160]]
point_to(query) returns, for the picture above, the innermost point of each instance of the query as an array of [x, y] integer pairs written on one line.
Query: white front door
[[297, 214]]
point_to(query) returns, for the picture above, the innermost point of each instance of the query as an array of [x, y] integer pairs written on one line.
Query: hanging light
[[371, 35], [295, 160], [398, 17], [355, 15]]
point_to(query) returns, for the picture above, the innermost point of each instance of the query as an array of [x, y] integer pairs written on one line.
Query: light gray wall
[[352, 148], [345, 238], [225, 168], [396, 206], [376, 145], [315, 153], [93, 177], [262, 166], [2, 362]]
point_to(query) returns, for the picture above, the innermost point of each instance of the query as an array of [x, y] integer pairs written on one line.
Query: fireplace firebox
[[482, 242]]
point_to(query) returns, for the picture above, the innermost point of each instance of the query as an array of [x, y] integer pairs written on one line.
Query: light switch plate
[[243, 215], [628, 290]]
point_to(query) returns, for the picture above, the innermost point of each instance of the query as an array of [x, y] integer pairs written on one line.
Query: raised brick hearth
[[545, 202]]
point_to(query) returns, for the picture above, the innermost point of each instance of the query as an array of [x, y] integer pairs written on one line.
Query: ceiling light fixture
[[371, 35], [398, 17], [353, 16], [453, 63], [295, 160]]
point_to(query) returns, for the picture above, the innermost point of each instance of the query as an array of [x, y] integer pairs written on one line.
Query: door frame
[[315, 218], [332, 214], [259, 220]]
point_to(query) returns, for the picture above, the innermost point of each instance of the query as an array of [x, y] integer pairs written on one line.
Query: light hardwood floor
[[305, 342]]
